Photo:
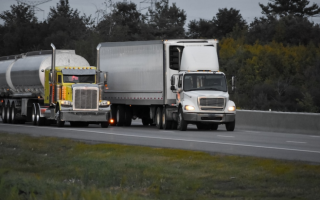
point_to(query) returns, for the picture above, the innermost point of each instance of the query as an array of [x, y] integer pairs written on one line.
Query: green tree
[[290, 7], [200, 29], [20, 32], [65, 25], [166, 21]]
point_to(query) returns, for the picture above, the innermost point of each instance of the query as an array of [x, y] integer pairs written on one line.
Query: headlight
[[104, 103], [65, 103], [232, 108], [189, 108]]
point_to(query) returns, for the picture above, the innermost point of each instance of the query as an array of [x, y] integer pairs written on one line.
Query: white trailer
[[169, 84]]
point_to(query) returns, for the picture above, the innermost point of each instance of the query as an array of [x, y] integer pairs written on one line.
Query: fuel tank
[[23, 75]]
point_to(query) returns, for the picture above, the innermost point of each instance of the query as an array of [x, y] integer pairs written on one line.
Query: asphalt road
[[285, 146]]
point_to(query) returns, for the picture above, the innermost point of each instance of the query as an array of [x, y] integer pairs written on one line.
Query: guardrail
[[286, 122]]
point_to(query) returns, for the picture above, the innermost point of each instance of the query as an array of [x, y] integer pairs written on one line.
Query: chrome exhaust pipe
[[98, 64], [53, 98]]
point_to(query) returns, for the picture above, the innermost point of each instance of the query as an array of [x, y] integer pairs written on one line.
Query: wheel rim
[[8, 113], [38, 116], [118, 115], [163, 119]]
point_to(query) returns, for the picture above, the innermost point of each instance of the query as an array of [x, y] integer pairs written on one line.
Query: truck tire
[[159, 118], [59, 122], [40, 120], [34, 114], [214, 127], [128, 116], [166, 124], [9, 120], [120, 115], [104, 124], [182, 125], [230, 125], [113, 114], [13, 114], [4, 113]]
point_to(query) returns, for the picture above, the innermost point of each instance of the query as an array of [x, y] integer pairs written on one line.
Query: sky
[[195, 9]]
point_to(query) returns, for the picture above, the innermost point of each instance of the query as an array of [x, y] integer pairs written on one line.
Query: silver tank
[[23, 76]]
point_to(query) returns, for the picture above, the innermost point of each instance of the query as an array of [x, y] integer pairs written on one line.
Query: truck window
[[205, 82], [78, 78], [59, 78]]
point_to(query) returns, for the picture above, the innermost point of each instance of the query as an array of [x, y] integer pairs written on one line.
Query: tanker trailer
[[52, 86]]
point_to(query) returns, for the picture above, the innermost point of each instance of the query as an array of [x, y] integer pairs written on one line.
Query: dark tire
[[166, 124], [114, 115], [34, 114], [182, 125], [128, 116], [120, 115], [40, 120], [230, 126], [4, 113], [9, 120], [59, 122], [159, 118], [104, 124], [14, 114], [214, 127]]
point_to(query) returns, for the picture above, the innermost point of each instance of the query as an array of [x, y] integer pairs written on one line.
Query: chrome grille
[[85, 99], [211, 103]]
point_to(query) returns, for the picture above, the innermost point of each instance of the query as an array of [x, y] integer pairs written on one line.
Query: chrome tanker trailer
[[52, 86]]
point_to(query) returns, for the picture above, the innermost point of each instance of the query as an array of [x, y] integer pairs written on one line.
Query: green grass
[[52, 168]]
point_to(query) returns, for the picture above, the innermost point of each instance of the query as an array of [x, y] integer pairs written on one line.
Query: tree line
[[275, 58]]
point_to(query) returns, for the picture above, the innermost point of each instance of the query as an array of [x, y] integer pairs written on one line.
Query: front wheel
[[166, 124], [230, 125], [182, 124], [159, 118], [59, 122]]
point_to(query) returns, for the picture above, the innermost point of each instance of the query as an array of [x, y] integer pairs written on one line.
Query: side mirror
[[172, 81], [233, 82], [103, 78]]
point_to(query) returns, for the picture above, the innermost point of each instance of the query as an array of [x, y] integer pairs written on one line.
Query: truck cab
[[201, 90]]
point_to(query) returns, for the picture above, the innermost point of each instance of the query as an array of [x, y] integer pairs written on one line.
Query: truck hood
[[207, 93]]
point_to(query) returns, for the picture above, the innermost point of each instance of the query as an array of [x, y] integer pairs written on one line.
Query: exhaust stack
[[98, 64], [53, 75]]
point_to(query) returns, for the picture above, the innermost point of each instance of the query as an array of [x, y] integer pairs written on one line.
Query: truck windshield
[[204, 82], [79, 78]]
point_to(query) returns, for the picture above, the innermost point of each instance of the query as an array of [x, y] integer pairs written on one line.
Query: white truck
[[169, 84]]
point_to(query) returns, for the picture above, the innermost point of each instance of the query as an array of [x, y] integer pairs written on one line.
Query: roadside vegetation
[[50, 168]]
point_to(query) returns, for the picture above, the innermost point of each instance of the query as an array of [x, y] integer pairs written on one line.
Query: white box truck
[[170, 84]]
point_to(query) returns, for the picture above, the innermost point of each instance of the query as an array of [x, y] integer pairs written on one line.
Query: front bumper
[[209, 117], [97, 116]]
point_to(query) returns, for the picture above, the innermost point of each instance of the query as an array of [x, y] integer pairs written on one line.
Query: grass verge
[[52, 168]]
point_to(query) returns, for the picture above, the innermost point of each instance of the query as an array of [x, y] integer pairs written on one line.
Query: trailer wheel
[[166, 124], [59, 122], [13, 114], [120, 115], [4, 113], [159, 118], [9, 114], [230, 125], [182, 125], [34, 114]]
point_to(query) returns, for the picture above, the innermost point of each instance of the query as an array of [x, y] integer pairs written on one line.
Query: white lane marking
[[252, 131], [314, 136], [229, 136], [174, 139], [296, 142]]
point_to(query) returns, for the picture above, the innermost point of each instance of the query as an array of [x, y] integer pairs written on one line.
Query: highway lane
[[286, 146]]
